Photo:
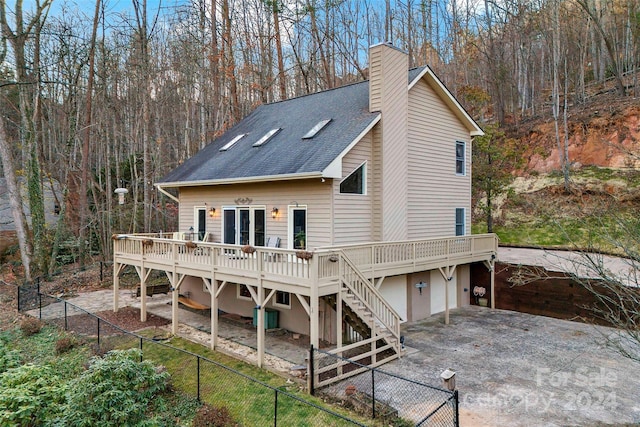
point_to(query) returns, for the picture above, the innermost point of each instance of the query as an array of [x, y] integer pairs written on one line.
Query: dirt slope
[[604, 132]]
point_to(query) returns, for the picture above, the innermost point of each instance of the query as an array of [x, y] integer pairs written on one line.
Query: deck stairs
[[373, 319]]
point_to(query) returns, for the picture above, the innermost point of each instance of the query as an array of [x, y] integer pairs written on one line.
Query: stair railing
[[370, 297]]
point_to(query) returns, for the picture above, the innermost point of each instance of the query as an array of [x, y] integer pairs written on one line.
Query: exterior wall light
[[274, 213], [212, 212]]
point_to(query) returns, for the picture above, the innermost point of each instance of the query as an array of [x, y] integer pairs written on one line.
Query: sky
[[111, 6]]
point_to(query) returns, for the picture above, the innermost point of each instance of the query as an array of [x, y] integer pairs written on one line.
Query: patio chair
[[272, 242]]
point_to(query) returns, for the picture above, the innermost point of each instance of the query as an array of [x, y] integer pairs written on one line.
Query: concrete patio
[[516, 369]]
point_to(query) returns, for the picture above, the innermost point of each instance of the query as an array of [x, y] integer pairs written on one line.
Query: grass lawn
[[249, 393]]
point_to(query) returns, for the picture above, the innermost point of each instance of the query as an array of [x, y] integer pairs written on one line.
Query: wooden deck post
[[214, 312], [447, 273], [175, 305], [116, 285], [493, 283], [143, 294], [314, 305], [260, 331]]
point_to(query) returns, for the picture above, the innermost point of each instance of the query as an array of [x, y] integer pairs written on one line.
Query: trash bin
[[270, 318]]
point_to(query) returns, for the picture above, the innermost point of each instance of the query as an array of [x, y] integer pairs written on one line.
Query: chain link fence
[[254, 402], [386, 396], [28, 295]]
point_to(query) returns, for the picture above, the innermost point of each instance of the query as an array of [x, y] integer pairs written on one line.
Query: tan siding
[[352, 212], [312, 193], [394, 147], [376, 177], [375, 79], [435, 189]]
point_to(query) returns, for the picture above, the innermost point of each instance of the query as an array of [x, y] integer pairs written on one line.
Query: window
[[201, 222], [460, 226], [297, 227], [229, 226], [243, 292], [460, 157], [317, 128], [266, 137], [355, 182], [229, 144], [283, 299], [244, 225]]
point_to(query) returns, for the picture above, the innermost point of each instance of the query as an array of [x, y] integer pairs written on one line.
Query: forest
[[114, 94]]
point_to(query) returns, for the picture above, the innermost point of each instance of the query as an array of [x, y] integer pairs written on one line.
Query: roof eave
[[449, 99], [241, 180]]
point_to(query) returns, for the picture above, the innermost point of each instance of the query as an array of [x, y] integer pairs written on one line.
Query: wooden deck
[[285, 270], [345, 273]]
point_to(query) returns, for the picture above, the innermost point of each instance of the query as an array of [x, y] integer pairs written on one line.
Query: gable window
[[355, 182], [460, 157], [460, 225], [283, 299]]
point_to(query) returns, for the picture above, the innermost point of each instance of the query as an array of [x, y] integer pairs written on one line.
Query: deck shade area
[[347, 274]]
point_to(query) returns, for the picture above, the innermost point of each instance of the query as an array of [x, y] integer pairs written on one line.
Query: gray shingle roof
[[285, 153]]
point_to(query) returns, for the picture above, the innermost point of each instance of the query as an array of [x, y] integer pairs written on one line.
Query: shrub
[[114, 391], [8, 358], [213, 416], [65, 344], [30, 326], [29, 394]]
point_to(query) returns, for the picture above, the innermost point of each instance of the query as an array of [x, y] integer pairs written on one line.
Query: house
[[347, 211]]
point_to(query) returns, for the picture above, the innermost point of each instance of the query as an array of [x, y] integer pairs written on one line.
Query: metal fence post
[[457, 413], [39, 305], [66, 325], [101, 274], [98, 332], [141, 349], [373, 393], [198, 365], [311, 372], [275, 410], [19, 305]]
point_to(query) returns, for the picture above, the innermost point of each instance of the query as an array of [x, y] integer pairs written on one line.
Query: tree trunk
[[84, 168], [15, 201], [281, 75]]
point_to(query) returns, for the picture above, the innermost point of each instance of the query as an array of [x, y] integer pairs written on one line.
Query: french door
[[244, 225]]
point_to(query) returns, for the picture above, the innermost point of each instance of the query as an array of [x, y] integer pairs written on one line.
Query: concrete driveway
[[515, 369]]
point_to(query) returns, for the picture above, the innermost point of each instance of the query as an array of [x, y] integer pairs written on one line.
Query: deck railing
[[290, 267], [375, 256], [206, 256]]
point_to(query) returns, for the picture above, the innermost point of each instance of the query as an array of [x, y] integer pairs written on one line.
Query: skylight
[[317, 128], [266, 138], [229, 144]]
